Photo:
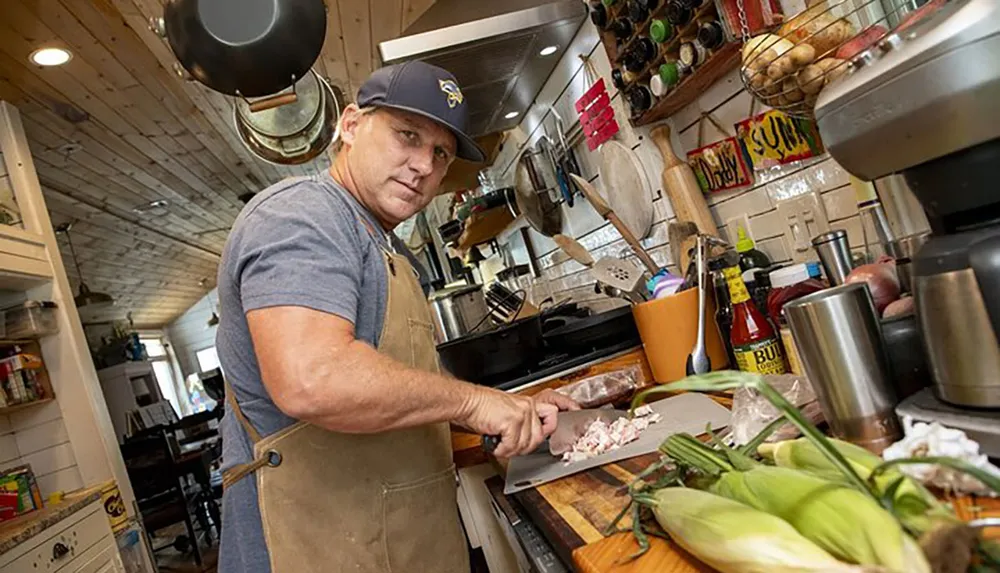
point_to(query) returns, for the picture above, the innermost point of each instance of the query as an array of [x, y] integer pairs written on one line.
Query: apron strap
[[231, 400], [234, 474]]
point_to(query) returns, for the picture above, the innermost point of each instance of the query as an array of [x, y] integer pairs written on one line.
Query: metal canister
[[834, 253], [111, 499], [839, 340]]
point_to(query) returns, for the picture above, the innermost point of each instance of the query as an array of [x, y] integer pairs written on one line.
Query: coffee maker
[[925, 102]]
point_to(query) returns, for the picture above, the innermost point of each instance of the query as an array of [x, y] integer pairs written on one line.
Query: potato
[[802, 55], [763, 45], [781, 67], [762, 60], [834, 68], [817, 28], [790, 89], [756, 80], [810, 79], [771, 87]]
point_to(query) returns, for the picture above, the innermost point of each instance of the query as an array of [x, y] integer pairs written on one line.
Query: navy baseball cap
[[427, 90]]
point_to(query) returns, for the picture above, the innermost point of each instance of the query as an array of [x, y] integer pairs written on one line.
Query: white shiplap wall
[[729, 103], [37, 436], [191, 333]]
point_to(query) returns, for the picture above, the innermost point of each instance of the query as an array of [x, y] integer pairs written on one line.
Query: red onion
[[882, 282]]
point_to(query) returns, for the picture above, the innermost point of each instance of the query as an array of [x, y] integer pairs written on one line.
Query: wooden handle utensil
[[604, 210], [681, 186]]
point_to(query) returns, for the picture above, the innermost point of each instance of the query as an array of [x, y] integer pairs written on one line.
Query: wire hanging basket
[[789, 67]]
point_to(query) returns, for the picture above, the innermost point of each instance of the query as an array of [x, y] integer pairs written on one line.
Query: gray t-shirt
[[300, 242]]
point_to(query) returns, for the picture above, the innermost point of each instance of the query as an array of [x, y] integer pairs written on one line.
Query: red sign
[[597, 117], [720, 166]]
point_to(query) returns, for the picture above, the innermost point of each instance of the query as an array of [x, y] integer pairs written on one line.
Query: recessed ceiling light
[[151, 207], [511, 115], [50, 56], [548, 50]]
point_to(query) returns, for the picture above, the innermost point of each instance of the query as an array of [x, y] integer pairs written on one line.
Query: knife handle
[[490, 443]]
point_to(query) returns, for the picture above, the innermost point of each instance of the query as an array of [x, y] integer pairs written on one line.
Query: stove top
[[555, 364]]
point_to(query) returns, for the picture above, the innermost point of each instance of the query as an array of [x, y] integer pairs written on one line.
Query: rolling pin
[[681, 186]]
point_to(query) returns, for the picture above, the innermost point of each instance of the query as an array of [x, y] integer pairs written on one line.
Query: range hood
[[494, 49]]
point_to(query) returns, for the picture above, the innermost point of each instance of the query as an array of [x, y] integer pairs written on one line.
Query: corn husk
[[841, 520], [736, 538]]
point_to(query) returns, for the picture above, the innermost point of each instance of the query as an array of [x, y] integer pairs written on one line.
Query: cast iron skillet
[[604, 329], [251, 48]]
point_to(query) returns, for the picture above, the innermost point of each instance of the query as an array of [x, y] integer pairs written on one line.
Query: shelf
[[12, 409], [693, 86], [484, 225]]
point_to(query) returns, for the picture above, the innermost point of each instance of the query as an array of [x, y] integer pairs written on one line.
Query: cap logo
[[450, 88]]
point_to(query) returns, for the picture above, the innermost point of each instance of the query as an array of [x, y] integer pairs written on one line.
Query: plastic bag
[[752, 412], [607, 388]]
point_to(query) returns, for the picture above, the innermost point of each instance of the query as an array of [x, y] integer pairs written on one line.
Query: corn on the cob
[[735, 538], [839, 519]]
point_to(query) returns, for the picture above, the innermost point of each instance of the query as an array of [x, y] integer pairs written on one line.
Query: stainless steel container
[[834, 254], [905, 249], [839, 339], [457, 311]]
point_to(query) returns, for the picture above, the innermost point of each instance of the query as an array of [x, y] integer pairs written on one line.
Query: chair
[[158, 489]]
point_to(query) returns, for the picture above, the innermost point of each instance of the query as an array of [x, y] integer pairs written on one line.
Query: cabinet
[[80, 543], [126, 387]]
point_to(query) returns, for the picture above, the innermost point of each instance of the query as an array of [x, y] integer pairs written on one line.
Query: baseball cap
[[427, 90]]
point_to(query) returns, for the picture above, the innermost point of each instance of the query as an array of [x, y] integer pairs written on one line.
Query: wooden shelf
[[17, 407], [717, 64], [484, 225]]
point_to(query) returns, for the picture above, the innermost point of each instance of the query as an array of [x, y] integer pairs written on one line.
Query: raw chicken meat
[[602, 437]]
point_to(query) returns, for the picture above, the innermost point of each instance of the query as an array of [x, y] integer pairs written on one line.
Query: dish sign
[[720, 166], [773, 138]]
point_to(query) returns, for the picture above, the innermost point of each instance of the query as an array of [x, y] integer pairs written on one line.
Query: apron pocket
[[423, 352], [421, 526]]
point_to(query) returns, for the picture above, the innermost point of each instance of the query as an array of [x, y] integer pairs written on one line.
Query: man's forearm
[[359, 390]]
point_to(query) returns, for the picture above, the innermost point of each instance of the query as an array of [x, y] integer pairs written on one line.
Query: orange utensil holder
[[669, 327]]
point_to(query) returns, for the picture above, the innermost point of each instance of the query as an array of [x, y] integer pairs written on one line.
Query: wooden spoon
[[604, 210], [574, 249]]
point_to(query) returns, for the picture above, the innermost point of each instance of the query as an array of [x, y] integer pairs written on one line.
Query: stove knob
[[890, 43]]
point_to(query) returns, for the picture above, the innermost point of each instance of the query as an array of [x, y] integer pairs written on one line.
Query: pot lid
[[287, 119]]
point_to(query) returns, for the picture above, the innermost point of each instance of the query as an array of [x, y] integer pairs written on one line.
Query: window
[[166, 373], [208, 359]]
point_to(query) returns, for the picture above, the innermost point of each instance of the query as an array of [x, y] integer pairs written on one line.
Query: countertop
[[21, 529]]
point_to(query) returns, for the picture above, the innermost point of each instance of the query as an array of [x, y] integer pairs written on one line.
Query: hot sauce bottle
[[754, 341]]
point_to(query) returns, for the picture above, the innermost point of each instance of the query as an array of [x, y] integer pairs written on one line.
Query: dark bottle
[[617, 79], [598, 14], [633, 61], [723, 312], [637, 11], [678, 14], [711, 35], [639, 99], [622, 29], [644, 49]]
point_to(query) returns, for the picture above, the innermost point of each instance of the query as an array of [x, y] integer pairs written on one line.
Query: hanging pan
[[290, 128], [249, 48], [531, 189]]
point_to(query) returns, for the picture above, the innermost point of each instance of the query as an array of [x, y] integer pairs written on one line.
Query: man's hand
[[522, 422], [561, 401]]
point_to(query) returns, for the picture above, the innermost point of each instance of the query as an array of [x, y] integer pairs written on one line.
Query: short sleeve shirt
[[302, 242]]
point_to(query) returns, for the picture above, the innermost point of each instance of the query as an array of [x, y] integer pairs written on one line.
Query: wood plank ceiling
[[115, 129]]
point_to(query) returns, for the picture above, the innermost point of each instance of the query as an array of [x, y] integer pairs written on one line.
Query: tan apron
[[380, 503]]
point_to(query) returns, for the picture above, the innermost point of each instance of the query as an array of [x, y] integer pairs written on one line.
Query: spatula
[[617, 273]]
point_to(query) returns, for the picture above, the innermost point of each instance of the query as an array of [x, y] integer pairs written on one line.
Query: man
[[336, 443]]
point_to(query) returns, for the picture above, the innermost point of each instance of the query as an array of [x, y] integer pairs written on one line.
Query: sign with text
[[773, 138], [597, 117], [720, 166]]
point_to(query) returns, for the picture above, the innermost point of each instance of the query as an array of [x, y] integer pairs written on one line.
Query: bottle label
[[760, 357], [737, 289]]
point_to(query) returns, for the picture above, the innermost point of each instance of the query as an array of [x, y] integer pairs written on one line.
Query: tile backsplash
[[37, 436]]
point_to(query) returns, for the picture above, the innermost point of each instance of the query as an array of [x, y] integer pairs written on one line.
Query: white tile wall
[[37, 436]]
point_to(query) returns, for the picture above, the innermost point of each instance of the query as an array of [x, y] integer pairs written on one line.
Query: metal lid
[[288, 119], [949, 253], [454, 291], [829, 237]]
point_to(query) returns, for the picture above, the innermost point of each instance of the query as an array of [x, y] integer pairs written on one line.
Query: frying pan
[[604, 329], [532, 194], [249, 48]]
